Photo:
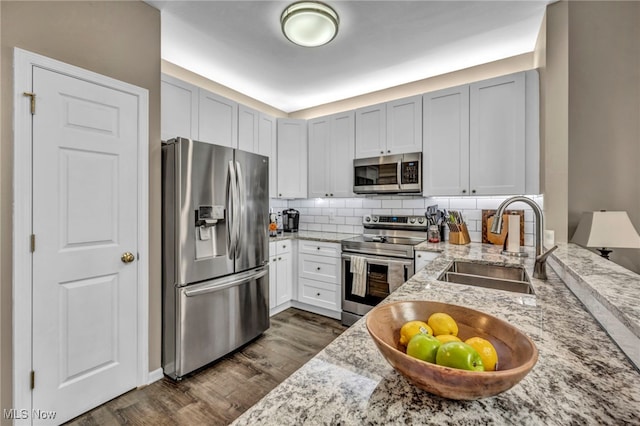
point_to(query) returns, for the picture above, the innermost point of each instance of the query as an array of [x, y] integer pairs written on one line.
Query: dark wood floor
[[222, 392]]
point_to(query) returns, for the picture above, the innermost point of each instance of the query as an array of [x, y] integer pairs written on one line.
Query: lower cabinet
[[319, 278], [423, 258], [280, 275]]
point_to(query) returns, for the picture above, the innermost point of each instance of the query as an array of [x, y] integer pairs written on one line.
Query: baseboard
[[155, 375]]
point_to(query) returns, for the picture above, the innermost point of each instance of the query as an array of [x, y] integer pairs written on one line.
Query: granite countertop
[[582, 376]]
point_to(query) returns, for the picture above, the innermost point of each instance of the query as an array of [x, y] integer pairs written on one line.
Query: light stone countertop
[[582, 376]]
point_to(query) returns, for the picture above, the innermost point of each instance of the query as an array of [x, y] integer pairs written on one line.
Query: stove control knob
[[421, 220], [367, 219], [412, 220], [375, 218]]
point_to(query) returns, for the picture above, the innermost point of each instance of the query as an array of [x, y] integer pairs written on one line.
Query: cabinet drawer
[[319, 294], [319, 248], [283, 246], [320, 268]]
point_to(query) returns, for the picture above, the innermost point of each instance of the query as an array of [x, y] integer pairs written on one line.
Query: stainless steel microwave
[[388, 174]]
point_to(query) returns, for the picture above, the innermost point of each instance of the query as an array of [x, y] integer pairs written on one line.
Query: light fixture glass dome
[[309, 23]]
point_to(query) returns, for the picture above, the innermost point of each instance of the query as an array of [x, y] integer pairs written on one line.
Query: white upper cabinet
[[331, 149], [482, 138], [404, 125], [371, 131], [292, 158], [218, 119], [497, 136], [268, 146], [179, 106], [445, 154], [248, 129], [390, 128]]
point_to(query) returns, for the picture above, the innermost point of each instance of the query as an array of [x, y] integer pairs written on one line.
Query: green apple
[[459, 355], [424, 347]]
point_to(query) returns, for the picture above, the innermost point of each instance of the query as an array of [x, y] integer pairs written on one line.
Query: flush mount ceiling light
[[309, 23]]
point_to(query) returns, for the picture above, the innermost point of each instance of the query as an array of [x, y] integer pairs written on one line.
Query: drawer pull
[[318, 268], [279, 258], [318, 248], [317, 294]]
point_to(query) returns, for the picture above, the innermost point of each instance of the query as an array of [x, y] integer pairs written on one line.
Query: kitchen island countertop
[[582, 376]]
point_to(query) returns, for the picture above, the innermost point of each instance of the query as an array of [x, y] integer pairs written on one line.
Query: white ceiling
[[380, 44]]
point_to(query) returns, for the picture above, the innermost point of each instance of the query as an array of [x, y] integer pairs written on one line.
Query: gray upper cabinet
[[179, 106], [482, 138], [389, 128], [331, 150]]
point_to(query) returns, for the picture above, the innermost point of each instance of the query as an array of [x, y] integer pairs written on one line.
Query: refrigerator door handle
[[240, 208], [225, 283], [232, 237]]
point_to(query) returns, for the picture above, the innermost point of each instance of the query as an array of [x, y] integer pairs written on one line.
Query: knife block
[[461, 237]]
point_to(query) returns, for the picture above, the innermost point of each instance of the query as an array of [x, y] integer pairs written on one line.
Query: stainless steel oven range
[[376, 263]]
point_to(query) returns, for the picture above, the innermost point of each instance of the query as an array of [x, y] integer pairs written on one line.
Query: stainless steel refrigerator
[[215, 204]]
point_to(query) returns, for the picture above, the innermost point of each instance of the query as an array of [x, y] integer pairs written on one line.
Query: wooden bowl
[[517, 354]]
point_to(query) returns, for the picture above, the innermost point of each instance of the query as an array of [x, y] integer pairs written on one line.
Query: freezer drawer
[[216, 317]]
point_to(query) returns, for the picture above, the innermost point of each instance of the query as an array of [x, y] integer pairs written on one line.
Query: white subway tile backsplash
[[391, 204], [461, 203], [345, 214], [416, 203], [369, 203], [337, 202], [353, 203]]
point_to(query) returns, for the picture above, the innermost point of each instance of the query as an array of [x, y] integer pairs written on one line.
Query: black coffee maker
[[290, 220]]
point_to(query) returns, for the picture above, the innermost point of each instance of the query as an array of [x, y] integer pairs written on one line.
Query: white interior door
[[85, 183]]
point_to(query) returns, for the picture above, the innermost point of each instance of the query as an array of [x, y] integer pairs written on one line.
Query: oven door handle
[[380, 260]]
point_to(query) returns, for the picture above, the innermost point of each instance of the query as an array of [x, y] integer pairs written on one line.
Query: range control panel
[[391, 222]]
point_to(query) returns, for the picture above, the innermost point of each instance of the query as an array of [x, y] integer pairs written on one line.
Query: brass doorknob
[[127, 257]]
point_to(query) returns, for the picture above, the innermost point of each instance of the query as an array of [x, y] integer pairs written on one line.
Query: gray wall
[[604, 113], [117, 39]]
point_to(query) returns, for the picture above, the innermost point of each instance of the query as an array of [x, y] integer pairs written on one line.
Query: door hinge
[[33, 101], [33, 379], [33, 243]]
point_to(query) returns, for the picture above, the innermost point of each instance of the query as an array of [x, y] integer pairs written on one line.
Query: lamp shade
[[606, 229], [309, 23]]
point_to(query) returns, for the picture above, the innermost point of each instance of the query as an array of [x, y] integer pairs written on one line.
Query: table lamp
[[604, 229]]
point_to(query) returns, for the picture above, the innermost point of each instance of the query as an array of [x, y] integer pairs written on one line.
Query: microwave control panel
[[410, 172]]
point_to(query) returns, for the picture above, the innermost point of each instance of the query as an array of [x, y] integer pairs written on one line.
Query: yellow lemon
[[411, 328], [442, 323], [487, 352], [444, 338]]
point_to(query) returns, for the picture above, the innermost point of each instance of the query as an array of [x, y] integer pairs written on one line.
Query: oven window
[[381, 174], [377, 284]]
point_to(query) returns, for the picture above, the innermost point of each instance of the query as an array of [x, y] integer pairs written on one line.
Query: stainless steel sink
[[500, 277]]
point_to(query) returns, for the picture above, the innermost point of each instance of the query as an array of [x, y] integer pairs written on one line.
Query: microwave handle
[[399, 173]]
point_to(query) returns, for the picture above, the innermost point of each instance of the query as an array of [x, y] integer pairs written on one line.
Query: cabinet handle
[[317, 294], [279, 258], [419, 255], [381, 152], [331, 195], [464, 191], [318, 248], [284, 246], [279, 195], [326, 195], [473, 191], [388, 151], [274, 259], [318, 268]]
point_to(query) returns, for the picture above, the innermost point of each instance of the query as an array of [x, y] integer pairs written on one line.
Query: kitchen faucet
[[539, 269]]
